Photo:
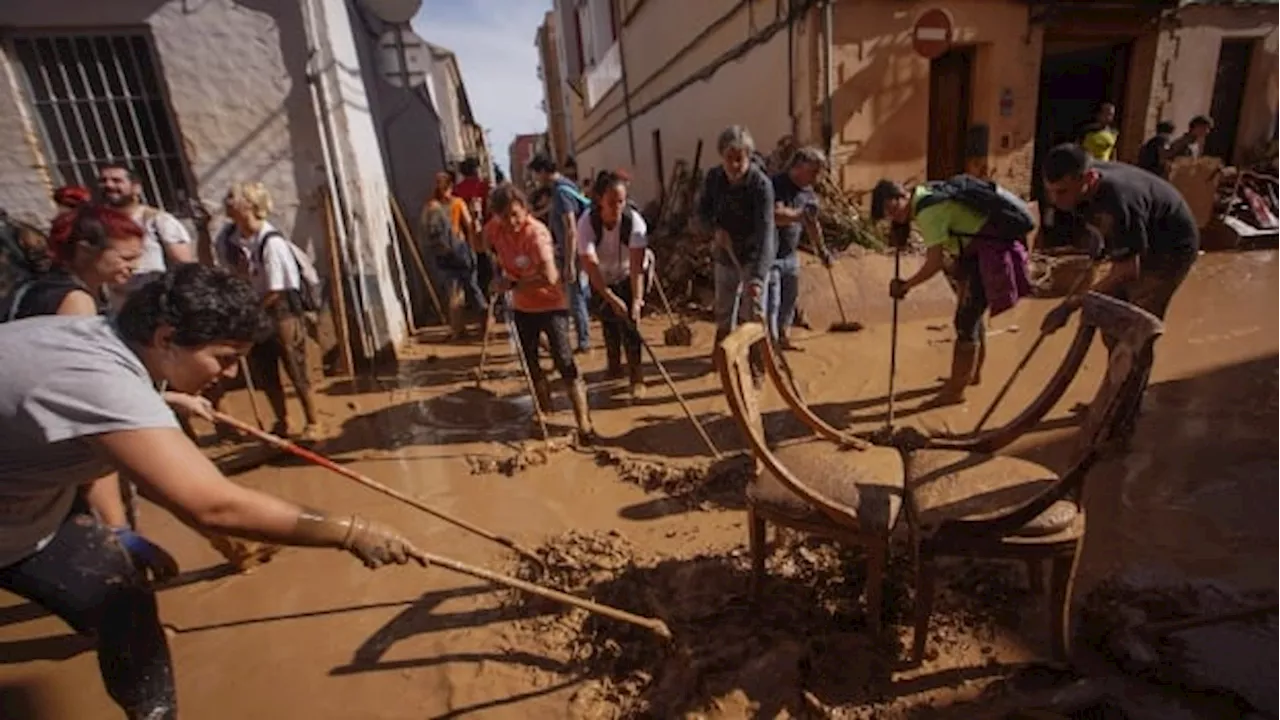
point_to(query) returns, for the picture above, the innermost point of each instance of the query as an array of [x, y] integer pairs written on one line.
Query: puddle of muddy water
[[464, 415]]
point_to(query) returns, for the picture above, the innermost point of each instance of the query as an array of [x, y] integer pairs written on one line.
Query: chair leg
[[756, 536], [1062, 579], [876, 555], [1035, 576], [924, 607]]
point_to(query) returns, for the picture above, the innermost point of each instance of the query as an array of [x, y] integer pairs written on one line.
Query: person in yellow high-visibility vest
[[1099, 137]]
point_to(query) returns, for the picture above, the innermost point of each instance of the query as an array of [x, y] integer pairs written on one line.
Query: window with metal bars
[[99, 99]]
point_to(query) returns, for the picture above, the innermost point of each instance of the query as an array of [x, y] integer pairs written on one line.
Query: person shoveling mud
[[540, 305], [980, 227], [92, 385]]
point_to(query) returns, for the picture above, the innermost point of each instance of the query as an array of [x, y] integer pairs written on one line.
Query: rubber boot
[[637, 380], [963, 361], [581, 411], [977, 366]]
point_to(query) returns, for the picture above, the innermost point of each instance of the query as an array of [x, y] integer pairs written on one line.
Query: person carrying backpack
[[166, 242], [613, 249], [568, 204], [453, 245], [270, 261], [975, 230]]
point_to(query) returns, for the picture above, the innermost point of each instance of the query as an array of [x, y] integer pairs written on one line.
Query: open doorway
[[1074, 80], [950, 107], [1228, 96]]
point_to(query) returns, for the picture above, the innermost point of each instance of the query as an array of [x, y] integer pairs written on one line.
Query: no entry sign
[[931, 36]]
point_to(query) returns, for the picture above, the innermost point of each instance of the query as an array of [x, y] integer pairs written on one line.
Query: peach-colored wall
[[881, 105]]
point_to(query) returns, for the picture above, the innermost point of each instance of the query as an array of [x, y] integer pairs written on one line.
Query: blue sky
[[493, 40]]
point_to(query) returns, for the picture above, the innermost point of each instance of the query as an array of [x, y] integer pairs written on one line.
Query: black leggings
[[86, 578], [971, 300], [618, 332], [555, 325]]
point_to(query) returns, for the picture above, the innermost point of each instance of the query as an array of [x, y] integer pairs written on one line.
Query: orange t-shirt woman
[[540, 306]]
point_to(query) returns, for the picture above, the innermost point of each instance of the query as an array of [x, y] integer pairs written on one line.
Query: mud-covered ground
[[647, 522]]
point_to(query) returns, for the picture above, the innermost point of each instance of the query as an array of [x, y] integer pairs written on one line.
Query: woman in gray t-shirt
[[78, 398]]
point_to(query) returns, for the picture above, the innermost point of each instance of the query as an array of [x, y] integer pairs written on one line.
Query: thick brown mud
[[315, 635]]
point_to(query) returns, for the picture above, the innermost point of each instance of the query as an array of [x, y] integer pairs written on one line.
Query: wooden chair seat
[[867, 482], [947, 485]]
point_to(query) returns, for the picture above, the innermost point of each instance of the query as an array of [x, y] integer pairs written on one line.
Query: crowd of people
[[118, 334], [104, 349]]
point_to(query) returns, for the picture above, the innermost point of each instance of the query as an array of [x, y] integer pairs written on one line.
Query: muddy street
[[314, 635]]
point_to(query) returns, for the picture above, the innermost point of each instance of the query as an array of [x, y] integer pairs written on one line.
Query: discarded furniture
[[965, 502], [834, 486]]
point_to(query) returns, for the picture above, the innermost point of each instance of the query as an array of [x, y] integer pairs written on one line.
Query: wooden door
[[950, 107]]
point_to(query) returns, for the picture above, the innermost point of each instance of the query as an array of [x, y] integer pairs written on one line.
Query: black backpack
[[1008, 217], [625, 223]]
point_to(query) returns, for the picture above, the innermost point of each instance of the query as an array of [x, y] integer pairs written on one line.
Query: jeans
[[85, 577], [458, 274], [579, 293], [286, 346], [730, 292], [784, 290]]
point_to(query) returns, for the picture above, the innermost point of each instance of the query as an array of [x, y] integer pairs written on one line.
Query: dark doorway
[[950, 107], [1228, 96], [1074, 80]]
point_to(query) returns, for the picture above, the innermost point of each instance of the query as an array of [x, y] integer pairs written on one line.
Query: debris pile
[[697, 482], [528, 453], [802, 648]]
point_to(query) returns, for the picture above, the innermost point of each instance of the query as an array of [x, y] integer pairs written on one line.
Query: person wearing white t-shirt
[[166, 242], [613, 248], [256, 249]]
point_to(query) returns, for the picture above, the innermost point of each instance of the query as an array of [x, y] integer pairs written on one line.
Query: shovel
[[679, 334], [845, 325]]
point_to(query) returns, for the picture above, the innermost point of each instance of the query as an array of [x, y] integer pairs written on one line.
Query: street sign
[[933, 32], [403, 57]]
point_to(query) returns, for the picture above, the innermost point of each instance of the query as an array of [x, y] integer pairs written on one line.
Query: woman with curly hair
[[79, 397]]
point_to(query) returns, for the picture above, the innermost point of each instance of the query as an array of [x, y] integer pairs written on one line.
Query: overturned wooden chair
[[827, 484], [964, 502]]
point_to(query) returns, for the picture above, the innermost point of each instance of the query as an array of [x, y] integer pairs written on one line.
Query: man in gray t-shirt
[[66, 378]]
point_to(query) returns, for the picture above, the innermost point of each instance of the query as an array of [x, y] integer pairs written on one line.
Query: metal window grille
[[99, 99]]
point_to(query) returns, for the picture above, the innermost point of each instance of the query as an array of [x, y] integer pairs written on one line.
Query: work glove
[[146, 555], [375, 544], [1056, 319], [898, 288]]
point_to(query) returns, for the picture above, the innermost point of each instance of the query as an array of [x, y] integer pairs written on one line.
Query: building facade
[[521, 152], [553, 89], [461, 135], [651, 80], [198, 96]]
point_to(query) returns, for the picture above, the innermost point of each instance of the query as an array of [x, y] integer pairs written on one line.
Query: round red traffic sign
[[931, 36]]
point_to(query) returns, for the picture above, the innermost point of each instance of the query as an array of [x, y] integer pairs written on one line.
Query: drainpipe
[[335, 176], [828, 21]]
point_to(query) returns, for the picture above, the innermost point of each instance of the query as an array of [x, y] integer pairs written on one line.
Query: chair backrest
[[993, 439], [739, 388], [1129, 332], [744, 402]]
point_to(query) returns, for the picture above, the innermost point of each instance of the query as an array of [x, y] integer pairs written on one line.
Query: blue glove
[[146, 555]]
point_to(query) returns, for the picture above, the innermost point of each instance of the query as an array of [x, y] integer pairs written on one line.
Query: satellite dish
[[394, 11]]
